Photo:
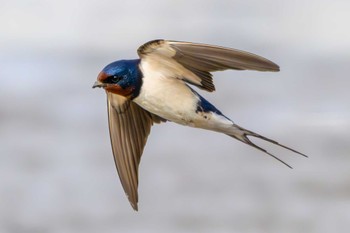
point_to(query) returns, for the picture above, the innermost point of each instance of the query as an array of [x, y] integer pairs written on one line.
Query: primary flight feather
[[155, 88]]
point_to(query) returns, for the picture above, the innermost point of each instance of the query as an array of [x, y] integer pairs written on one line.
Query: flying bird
[[157, 88]]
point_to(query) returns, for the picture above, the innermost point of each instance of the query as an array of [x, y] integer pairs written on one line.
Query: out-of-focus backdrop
[[56, 168]]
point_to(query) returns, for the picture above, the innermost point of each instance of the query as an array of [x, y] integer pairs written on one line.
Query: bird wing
[[129, 127], [193, 62]]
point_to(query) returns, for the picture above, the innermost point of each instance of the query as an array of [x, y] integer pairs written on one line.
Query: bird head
[[121, 77]]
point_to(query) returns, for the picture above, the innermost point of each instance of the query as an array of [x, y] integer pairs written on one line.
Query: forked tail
[[242, 134]]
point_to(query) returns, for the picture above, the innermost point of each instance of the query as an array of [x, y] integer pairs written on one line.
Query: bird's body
[[173, 100], [156, 89], [166, 97]]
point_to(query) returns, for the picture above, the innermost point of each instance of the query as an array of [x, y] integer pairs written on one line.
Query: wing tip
[[267, 65], [134, 206], [133, 202], [275, 67]]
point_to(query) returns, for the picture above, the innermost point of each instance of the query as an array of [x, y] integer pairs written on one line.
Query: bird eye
[[113, 79]]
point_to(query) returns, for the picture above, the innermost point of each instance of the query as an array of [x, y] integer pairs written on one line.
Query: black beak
[[98, 84]]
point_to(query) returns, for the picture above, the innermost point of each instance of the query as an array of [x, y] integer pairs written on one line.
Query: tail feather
[[242, 134]]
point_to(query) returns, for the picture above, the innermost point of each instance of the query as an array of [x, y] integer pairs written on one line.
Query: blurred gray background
[[56, 168]]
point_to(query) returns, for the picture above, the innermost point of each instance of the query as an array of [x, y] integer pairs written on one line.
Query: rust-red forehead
[[102, 76]]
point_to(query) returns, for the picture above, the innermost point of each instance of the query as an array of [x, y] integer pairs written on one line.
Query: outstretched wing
[[129, 127], [193, 62]]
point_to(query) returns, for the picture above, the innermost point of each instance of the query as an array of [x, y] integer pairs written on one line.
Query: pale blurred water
[[56, 167]]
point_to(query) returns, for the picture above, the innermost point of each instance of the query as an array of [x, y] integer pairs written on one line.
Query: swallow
[[156, 88]]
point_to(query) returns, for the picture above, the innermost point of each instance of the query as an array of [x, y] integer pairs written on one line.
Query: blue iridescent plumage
[[129, 73]]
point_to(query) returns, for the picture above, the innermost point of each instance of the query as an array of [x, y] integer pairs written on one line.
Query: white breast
[[165, 95]]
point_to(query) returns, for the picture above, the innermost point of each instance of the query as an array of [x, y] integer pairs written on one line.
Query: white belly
[[167, 97]]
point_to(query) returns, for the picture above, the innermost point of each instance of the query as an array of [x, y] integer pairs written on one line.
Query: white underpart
[[170, 98], [164, 96]]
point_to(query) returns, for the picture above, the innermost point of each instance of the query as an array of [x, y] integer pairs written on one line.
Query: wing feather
[[193, 62], [129, 127]]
